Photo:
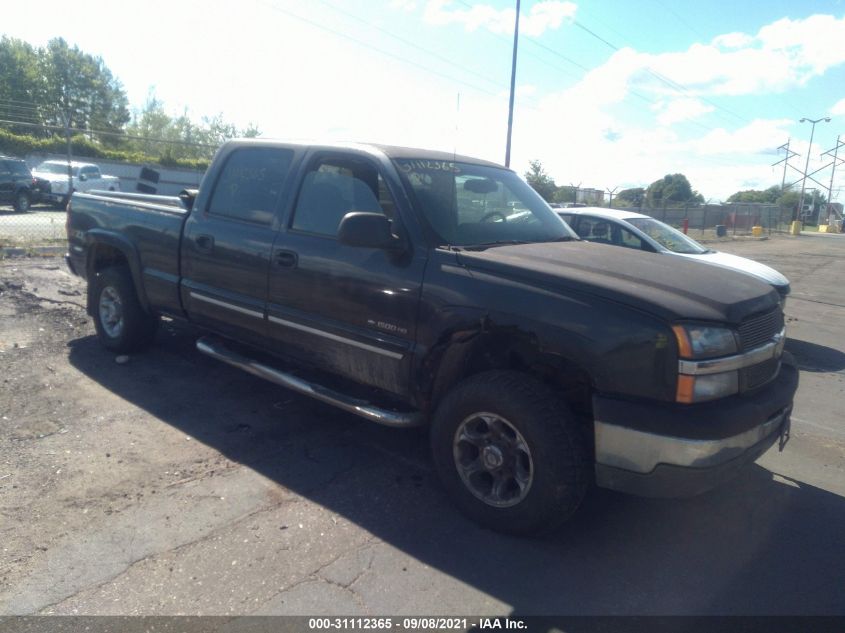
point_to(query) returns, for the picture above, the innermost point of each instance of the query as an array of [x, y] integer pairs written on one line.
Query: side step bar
[[216, 348]]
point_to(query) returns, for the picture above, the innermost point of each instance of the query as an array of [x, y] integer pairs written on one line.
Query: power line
[[106, 133], [407, 42], [375, 48]]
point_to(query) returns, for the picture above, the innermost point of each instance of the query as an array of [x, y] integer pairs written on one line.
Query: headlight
[[701, 342]]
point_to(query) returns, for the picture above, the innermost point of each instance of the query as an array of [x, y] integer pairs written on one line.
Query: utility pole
[[575, 192], [66, 119], [513, 87], [836, 158], [610, 192], [807, 165], [785, 161]]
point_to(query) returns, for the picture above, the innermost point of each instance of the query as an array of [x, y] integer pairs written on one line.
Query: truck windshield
[[54, 168], [475, 205], [669, 237]]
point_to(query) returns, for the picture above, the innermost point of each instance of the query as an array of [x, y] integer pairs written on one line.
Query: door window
[[250, 184], [335, 186]]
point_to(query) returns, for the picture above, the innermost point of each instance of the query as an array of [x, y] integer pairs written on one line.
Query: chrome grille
[[756, 331]]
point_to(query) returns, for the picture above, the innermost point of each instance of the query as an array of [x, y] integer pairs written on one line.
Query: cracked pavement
[[174, 484]]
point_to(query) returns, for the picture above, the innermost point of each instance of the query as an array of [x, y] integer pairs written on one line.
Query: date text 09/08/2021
[[415, 624]]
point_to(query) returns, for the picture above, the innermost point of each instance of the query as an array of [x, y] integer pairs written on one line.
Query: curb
[[42, 251]]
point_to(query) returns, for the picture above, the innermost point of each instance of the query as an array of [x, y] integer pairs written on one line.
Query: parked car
[[86, 177], [642, 232], [402, 286], [17, 186]]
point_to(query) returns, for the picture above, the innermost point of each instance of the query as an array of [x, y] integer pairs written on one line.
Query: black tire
[[544, 427], [122, 324], [23, 201]]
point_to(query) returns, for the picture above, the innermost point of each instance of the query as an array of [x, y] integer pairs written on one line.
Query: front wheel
[[122, 324], [22, 202], [509, 454]]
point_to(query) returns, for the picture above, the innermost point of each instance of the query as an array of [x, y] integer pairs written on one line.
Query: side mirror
[[367, 230], [83, 177]]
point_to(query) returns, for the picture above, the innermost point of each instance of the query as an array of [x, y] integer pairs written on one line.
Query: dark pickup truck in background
[[415, 287]]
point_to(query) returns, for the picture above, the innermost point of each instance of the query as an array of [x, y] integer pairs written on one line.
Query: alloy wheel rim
[[111, 312], [493, 459]]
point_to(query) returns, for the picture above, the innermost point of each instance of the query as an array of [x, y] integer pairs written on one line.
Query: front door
[[348, 309]]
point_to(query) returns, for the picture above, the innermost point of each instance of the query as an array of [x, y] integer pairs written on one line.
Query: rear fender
[[103, 249]]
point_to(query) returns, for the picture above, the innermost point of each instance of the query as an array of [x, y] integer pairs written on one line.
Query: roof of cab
[[610, 214], [391, 151]]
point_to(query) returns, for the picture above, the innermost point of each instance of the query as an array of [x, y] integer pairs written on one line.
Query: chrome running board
[[216, 348]]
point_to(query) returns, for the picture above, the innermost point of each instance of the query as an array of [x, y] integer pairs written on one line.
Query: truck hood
[[672, 288], [745, 265]]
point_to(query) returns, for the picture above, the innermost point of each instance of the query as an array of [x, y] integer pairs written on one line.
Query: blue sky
[[611, 93]]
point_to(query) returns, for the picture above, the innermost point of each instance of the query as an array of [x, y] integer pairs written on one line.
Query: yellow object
[[824, 228], [795, 229], [756, 231]]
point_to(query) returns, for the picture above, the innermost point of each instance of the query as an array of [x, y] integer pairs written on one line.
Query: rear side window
[[250, 184]]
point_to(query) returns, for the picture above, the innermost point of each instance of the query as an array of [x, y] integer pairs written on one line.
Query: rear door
[[226, 244], [347, 309]]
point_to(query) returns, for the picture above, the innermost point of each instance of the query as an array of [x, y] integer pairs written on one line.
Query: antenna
[[457, 126]]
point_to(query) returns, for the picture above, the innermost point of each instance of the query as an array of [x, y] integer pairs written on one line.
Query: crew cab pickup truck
[[53, 177], [415, 287]]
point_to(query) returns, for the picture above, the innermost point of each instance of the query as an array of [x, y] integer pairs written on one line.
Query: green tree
[[672, 189], [19, 86], [78, 89], [632, 197], [175, 138], [767, 196], [540, 180]]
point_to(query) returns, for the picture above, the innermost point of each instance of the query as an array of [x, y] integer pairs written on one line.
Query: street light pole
[[513, 87], [807, 164]]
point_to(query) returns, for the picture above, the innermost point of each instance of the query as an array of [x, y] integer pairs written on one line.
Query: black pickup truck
[[415, 287]]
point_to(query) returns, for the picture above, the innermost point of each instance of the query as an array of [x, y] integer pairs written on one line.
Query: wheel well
[[517, 351], [106, 256]]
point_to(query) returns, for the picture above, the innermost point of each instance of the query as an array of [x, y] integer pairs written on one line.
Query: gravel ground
[[173, 484]]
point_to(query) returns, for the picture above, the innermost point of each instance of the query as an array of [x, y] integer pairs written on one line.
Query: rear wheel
[[22, 202], [122, 324], [509, 454]]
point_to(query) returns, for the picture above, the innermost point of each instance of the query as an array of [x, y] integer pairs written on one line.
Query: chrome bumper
[[641, 452]]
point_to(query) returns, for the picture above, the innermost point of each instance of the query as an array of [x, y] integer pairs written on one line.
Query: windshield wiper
[[483, 245]]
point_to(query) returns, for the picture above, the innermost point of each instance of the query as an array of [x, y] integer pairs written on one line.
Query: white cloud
[[755, 138], [678, 110], [782, 55], [838, 108], [543, 16]]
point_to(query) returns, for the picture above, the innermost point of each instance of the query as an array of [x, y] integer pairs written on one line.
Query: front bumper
[[668, 450]]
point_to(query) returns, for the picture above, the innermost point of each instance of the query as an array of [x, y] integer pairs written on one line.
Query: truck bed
[[150, 226]]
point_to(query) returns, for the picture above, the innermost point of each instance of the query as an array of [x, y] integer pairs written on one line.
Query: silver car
[[642, 232]]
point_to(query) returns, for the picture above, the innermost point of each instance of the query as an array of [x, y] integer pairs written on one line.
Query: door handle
[[286, 259], [204, 243]]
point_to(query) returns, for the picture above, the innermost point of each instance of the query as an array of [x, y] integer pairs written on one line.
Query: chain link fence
[[723, 220], [41, 225]]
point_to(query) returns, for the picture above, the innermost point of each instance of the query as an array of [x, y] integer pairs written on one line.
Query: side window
[[335, 186], [593, 229], [628, 239], [250, 183]]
